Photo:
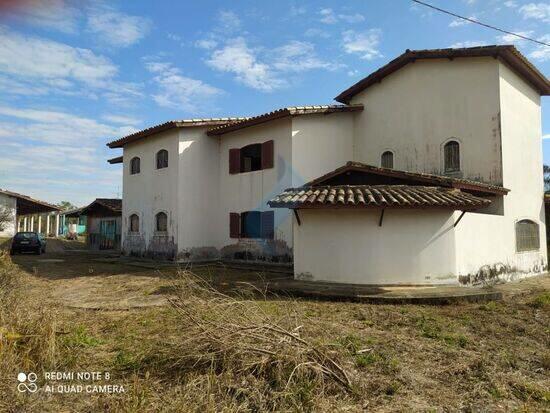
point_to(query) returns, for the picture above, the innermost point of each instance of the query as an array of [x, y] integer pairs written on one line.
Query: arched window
[[134, 166], [527, 235], [162, 159], [134, 223], [451, 156], [386, 160], [161, 222]]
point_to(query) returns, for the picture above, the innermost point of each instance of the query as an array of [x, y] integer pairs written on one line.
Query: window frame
[[135, 161], [265, 225], [387, 152], [264, 159], [447, 144], [522, 238], [158, 159], [255, 162], [130, 229], [157, 215]]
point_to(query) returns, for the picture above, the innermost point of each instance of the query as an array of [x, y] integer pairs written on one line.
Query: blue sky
[[77, 74]]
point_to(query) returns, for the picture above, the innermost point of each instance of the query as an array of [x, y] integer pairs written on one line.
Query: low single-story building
[[385, 226], [72, 222], [104, 223], [28, 214]]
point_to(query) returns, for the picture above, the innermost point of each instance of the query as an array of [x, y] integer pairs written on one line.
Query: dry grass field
[[176, 344]]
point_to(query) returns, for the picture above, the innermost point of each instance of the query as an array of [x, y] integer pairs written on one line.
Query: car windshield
[[20, 236]]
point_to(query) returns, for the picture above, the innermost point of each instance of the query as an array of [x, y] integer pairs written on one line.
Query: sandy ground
[[77, 278]]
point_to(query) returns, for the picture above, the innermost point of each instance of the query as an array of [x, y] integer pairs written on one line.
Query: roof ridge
[[509, 53], [282, 112]]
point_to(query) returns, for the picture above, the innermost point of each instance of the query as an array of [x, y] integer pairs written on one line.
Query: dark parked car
[[28, 242]]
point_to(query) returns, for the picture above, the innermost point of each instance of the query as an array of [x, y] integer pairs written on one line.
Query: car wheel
[[39, 251]]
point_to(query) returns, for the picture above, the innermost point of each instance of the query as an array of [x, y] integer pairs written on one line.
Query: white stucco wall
[[411, 246], [152, 190], [490, 241], [198, 193], [416, 109], [251, 190], [320, 144], [10, 204]]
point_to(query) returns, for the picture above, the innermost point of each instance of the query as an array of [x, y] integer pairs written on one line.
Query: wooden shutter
[[268, 224], [234, 161], [267, 155], [234, 225]]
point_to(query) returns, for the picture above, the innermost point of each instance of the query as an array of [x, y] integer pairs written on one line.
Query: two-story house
[[429, 171]]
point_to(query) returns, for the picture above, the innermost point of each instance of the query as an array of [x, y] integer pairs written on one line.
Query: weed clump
[[27, 334], [260, 355]]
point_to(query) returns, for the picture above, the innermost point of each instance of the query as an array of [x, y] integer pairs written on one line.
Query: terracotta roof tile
[[378, 196], [184, 123], [30, 200], [282, 113], [416, 177]]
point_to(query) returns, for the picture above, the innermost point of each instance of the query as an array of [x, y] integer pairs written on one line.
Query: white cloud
[[46, 66], [365, 44], [297, 10], [297, 56], [41, 58], [121, 119], [228, 20], [56, 127], [510, 4], [510, 38], [207, 44], [50, 14], [116, 28], [468, 43], [317, 33], [328, 16], [538, 11], [64, 149], [461, 22], [547, 136], [266, 70], [237, 58], [180, 92], [541, 52]]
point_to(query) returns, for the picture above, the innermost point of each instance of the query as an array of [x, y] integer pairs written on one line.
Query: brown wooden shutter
[[234, 225], [267, 155], [268, 224], [234, 161]]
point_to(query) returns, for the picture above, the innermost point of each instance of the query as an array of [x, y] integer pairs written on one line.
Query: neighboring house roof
[[282, 113], [113, 205], [72, 212], [395, 176], [378, 196], [185, 123], [118, 159], [28, 205], [507, 53]]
